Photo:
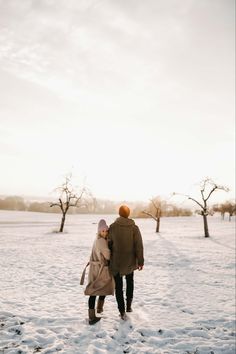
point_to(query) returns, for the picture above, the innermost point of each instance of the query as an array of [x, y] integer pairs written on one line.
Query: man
[[125, 242]]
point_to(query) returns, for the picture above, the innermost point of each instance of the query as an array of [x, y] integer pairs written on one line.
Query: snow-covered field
[[183, 301]]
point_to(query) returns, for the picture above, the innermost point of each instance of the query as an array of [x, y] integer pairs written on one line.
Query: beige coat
[[100, 280]]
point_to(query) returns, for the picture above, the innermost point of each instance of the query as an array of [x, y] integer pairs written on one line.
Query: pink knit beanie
[[102, 225]]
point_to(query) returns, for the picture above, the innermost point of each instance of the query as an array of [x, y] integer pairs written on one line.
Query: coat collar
[[124, 221]]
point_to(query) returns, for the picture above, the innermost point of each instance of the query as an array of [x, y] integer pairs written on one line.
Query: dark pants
[[92, 300], [119, 290]]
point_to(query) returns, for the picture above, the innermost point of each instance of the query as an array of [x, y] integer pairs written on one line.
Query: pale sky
[[136, 97]]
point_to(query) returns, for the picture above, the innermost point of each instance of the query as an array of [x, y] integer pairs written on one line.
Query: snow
[[183, 300]]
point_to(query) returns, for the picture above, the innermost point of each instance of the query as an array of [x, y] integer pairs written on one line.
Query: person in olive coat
[[125, 242]]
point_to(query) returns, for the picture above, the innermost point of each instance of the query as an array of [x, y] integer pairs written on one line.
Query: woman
[[100, 280]]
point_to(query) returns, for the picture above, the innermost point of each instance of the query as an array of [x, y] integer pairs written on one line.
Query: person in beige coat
[[100, 280]]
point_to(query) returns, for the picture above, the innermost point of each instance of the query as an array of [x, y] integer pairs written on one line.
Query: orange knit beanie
[[124, 211]]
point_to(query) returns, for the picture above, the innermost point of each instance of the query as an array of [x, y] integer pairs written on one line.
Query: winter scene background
[[184, 299], [110, 102]]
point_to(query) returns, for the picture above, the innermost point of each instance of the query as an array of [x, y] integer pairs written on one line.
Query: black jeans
[[92, 300], [119, 289]]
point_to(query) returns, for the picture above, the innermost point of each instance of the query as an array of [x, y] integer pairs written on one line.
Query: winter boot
[[100, 306], [92, 317], [123, 316], [128, 305]]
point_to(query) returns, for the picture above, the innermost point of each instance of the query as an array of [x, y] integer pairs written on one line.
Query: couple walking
[[117, 251]]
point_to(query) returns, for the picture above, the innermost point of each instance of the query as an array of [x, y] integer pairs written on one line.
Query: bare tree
[[226, 207], [156, 211], [207, 188], [217, 208], [229, 207], [68, 198]]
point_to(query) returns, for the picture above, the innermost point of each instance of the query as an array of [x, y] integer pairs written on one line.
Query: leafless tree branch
[[152, 216], [154, 203], [54, 204], [213, 189], [196, 202]]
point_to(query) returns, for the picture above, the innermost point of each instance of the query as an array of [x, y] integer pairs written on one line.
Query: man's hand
[[140, 267]]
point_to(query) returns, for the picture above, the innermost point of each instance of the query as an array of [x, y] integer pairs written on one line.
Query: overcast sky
[[135, 96]]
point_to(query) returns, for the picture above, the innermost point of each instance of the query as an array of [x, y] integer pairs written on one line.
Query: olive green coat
[[125, 242]]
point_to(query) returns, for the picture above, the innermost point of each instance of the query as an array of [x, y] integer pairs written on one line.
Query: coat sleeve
[[103, 248], [110, 240], [138, 246]]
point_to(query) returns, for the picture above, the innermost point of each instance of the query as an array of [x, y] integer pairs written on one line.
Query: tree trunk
[[206, 231], [62, 222], [158, 225]]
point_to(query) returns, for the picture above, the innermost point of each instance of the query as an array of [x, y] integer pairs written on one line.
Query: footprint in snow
[[190, 312]]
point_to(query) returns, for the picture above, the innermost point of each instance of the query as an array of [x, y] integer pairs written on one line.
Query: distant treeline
[[20, 204], [228, 207], [93, 206], [96, 206]]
